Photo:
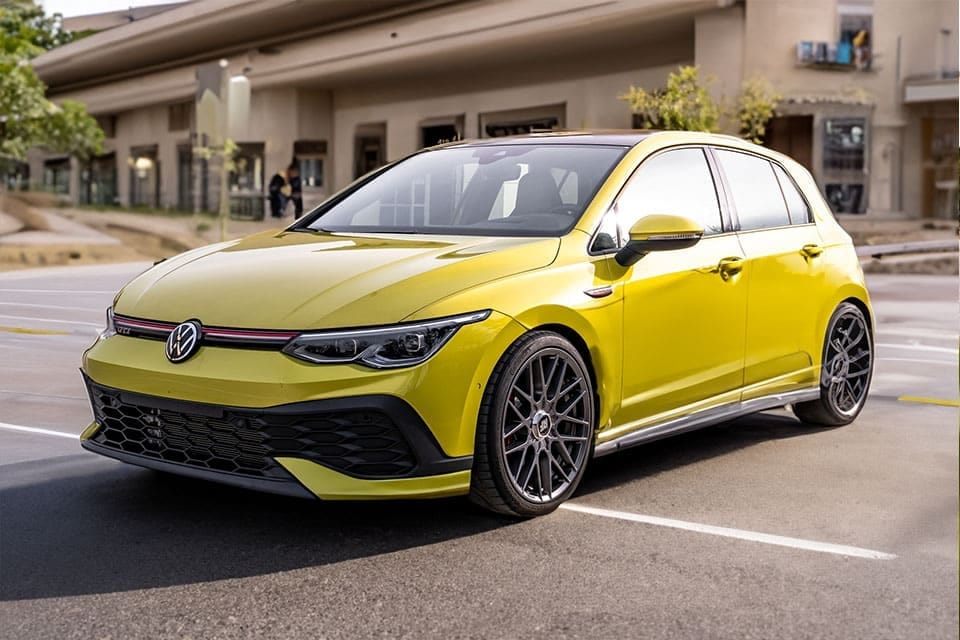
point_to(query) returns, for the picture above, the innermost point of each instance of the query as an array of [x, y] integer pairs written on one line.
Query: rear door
[[783, 250]]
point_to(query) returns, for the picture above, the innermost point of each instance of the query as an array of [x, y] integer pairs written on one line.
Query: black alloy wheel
[[846, 371], [535, 427]]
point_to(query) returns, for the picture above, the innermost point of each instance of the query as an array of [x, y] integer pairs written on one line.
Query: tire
[[846, 370], [534, 429]]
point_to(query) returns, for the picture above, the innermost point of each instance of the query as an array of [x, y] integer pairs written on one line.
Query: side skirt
[[704, 418]]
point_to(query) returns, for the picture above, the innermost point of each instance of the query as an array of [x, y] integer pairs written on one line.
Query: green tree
[[27, 117], [686, 105], [756, 104]]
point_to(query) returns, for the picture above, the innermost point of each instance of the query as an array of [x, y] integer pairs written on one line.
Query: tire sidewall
[[842, 418], [499, 388]]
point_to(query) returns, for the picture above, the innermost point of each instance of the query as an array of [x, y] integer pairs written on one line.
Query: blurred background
[[864, 93]]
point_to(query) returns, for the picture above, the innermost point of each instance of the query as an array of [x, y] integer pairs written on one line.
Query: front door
[[684, 310]]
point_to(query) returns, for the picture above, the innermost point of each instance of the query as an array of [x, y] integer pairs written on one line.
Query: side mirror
[[658, 233]]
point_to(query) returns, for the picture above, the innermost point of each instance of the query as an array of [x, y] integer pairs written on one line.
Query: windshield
[[501, 190]]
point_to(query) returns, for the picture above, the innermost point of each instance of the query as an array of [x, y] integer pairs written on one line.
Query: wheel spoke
[[516, 447], [546, 478], [573, 403], [544, 446]]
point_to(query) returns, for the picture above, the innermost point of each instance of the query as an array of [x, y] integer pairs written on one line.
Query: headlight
[[401, 345], [111, 328]]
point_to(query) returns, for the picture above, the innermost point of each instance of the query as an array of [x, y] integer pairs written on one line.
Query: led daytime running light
[[401, 345]]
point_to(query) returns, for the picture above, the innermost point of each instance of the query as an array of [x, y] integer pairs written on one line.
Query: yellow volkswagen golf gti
[[485, 317]]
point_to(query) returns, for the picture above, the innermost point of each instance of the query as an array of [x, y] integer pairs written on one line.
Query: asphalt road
[[92, 548]]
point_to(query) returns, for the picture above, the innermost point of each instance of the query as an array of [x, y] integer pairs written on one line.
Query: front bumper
[[355, 440], [266, 421]]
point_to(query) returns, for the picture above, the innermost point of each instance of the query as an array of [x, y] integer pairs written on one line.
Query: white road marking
[[920, 333], [98, 325], [752, 536], [40, 395], [43, 432], [52, 306], [919, 347], [946, 362], [57, 291]]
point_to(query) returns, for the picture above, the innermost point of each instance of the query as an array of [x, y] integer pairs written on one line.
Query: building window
[[17, 176], [184, 177], [144, 177], [434, 131], [521, 121], [844, 144], [310, 155], [856, 32], [369, 148], [180, 116], [98, 180], [246, 181], [56, 175]]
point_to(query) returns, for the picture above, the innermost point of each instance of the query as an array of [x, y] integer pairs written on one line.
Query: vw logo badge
[[183, 341]]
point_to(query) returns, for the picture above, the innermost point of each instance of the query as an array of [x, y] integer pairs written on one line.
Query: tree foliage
[[756, 104], [27, 117], [686, 105]]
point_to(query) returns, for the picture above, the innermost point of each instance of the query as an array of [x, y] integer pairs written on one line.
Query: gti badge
[[183, 341]]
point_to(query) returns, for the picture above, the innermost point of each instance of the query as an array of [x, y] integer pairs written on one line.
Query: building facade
[[869, 88]]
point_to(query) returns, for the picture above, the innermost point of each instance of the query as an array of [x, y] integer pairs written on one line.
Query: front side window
[[756, 194], [498, 190], [677, 183]]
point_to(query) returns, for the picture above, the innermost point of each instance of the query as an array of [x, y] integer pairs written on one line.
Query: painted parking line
[[952, 363], [919, 347], [34, 305], [739, 534], [937, 401], [98, 325], [58, 291], [39, 332], [42, 432]]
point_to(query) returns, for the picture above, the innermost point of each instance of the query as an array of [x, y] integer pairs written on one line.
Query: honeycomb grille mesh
[[362, 443]]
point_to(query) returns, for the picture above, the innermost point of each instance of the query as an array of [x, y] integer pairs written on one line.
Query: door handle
[[729, 267], [811, 250]]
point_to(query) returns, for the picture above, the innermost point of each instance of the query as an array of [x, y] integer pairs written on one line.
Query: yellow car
[[485, 317]]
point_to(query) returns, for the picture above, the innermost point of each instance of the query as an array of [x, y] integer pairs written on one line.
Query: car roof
[[613, 137]]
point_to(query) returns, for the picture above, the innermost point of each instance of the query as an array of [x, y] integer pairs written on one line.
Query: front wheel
[[535, 427], [845, 372]]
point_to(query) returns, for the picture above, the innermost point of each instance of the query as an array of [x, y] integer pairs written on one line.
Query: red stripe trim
[[244, 333], [217, 333], [143, 324]]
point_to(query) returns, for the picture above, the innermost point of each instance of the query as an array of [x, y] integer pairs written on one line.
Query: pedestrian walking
[[275, 192]]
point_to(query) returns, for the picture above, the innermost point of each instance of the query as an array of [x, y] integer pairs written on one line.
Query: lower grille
[[363, 443]]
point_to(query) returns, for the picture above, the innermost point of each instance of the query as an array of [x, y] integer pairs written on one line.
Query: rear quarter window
[[753, 185]]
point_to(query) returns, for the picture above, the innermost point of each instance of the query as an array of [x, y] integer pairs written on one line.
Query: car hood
[[304, 280]]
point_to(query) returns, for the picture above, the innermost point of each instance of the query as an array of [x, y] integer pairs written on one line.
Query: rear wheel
[[846, 371], [535, 427]]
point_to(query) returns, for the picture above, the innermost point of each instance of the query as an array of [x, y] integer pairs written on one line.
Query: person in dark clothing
[[296, 190], [275, 189]]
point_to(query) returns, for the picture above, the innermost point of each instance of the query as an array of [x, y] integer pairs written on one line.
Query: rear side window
[[799, 211], [677, 183], [756, 194]]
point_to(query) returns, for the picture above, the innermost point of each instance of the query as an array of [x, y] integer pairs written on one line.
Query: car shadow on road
[[81, 524], [682, 450], [101, 527]]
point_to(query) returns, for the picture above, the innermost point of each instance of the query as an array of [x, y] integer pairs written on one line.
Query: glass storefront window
[[844, 144]]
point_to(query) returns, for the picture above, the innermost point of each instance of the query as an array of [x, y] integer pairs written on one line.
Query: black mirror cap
[[636, 249]]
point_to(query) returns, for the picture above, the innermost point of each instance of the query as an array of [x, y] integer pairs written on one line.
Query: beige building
[[870, 94]]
